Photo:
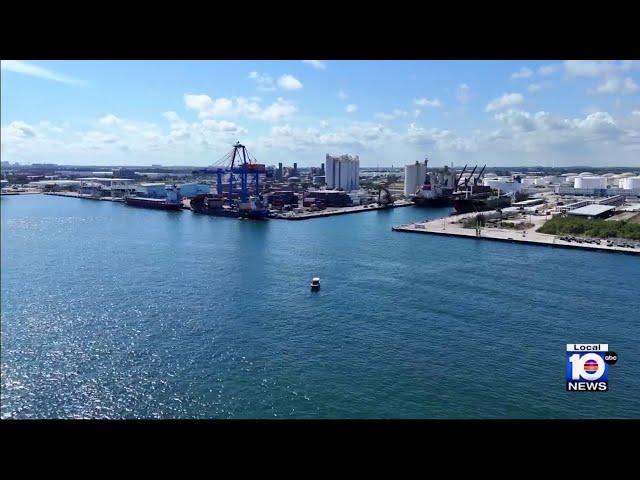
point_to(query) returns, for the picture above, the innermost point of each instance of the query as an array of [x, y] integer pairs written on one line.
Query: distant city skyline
[[189, 113]]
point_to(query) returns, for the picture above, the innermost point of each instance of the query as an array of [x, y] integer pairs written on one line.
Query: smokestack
[[295, 168]]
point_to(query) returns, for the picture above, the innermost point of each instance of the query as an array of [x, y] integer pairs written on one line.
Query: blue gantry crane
[[236, 163]]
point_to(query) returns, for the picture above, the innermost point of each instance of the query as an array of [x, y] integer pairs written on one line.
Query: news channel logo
[[588, 367]]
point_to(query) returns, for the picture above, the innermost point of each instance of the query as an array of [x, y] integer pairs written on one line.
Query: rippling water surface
[[115, 312]]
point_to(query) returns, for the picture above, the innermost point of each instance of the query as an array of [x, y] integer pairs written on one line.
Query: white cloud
[[425, 102], [507, 100], [351, 136], [548, 69], [610, 73], [240, 106], [289, 82], [173, 117], [536, 87], [590, 68], [278, 110], [318, 64], [110, 119], [17, 130], [222, 126], [617, 85], [210, 126], [342, 95], [207, 106], [524, 72], [25, 68], [463, 93], [397, 113], [352, 107], [264, 81]]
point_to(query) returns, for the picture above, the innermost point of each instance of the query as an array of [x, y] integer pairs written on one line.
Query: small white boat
[[315, 283]]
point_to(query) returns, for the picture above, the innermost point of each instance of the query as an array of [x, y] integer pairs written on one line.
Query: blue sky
[[387, 112]]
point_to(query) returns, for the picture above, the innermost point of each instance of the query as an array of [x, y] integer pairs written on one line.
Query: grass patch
[[591, 228]]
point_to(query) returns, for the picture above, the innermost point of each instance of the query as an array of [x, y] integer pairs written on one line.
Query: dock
[[84, 196], [329, 212], [447, 226]]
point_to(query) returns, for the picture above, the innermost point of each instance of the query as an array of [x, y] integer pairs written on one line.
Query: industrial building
[[56, 184], [188, 190], [151, 190], [331, 198], [593, 211], [597, 192], [342, 172], [123, 173], [414, 177], [504, 184]]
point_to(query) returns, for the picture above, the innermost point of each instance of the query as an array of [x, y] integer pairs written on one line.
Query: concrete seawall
[[446, 227]]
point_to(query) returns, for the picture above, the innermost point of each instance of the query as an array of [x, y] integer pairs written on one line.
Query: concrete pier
[[329, 212], [84, 196], [446, 226]]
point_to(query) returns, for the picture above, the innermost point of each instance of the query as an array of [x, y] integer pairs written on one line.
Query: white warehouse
[[342, 172], [414, 177], [504, 184], [590, 182], [193, 189]]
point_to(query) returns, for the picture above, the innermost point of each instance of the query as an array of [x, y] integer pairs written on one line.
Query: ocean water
[[110, 311]]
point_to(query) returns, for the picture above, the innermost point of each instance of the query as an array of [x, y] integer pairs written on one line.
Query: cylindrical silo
[[414, 177], [631, 183], [591, 182]]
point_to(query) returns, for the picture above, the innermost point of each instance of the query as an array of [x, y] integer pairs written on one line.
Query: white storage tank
[[586, 174], [613, 181], [631, 183], [414, 176], [546, 180], [591, 182]]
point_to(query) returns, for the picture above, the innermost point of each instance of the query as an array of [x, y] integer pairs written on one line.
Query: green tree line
[[591, 228]]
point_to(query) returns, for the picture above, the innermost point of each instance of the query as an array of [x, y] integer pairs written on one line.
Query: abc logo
[[588, 367], [610, 358]]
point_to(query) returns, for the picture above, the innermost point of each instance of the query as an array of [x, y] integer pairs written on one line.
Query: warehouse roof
[[591, 210]]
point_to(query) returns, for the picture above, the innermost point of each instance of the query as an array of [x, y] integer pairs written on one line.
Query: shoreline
[[290, 216], [446, 227]]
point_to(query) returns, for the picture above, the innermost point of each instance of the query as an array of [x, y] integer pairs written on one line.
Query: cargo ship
[[171, 202], [433, 196], [214, 205], [466, 202], [439, 186]]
